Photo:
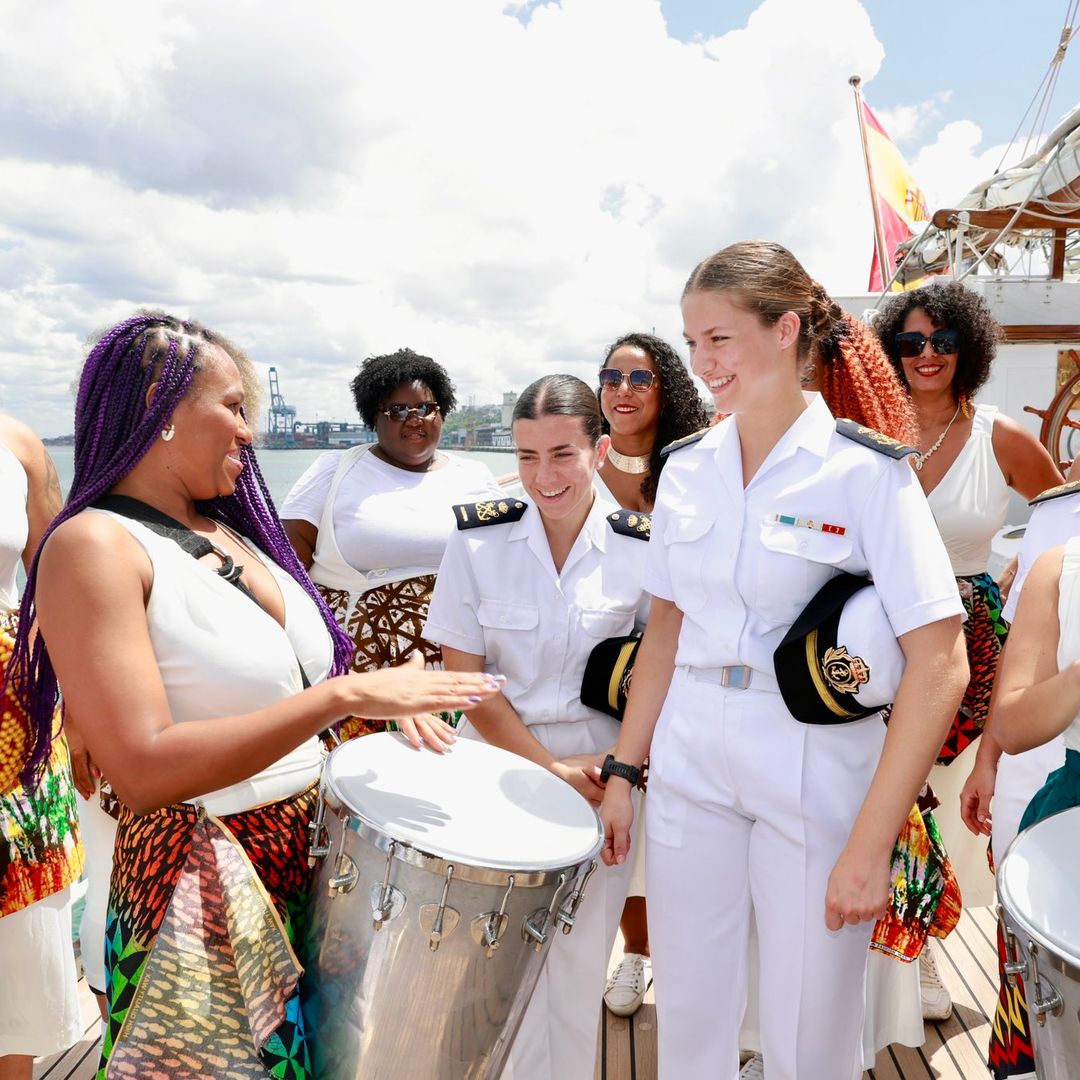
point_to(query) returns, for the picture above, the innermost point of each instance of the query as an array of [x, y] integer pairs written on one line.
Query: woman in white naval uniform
[[749, 809], [529, 591]]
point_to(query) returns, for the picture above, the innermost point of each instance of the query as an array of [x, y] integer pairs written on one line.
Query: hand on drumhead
[[582, 774], [407, 691], [428, 729], [617, 815], [858, 890]]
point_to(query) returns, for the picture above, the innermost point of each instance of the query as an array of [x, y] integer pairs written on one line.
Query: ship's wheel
[[1060, 432]]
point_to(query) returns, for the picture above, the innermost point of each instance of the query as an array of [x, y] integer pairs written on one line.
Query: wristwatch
[[611, 767]]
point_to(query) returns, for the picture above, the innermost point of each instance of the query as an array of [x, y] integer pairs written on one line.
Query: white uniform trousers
[[749, 808]]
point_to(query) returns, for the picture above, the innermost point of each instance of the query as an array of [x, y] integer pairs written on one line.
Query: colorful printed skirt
[[201, 977], [1011, 1051], [984, 635], [385, 624], [925, 896]]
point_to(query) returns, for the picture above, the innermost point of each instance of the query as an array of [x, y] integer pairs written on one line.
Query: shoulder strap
[[864, 436], [1056, 492], [686, 440], [631, 523]]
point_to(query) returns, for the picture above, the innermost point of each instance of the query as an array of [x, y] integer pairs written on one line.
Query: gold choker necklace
[[627, 463]]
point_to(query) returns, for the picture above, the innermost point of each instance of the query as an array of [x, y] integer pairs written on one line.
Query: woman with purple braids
[[194, 653]]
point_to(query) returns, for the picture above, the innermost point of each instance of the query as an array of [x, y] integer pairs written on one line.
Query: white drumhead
[[475, 804], [1039, 882]]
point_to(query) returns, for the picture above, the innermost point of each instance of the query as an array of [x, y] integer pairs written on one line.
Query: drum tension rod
[[568, 913], [538, 934], [1017, 966], [381, 912], [320, 835], [496, 922], [435, 937], [1041, 1003]]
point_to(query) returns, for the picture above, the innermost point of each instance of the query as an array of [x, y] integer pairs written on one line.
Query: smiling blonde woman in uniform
[[751, 810]]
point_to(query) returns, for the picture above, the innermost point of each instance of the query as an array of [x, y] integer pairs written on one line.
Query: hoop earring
[[168, 433]]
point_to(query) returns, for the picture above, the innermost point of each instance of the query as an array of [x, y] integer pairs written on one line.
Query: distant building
[[508, 402]]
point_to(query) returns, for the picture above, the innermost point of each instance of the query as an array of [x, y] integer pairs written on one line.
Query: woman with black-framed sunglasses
[[371, 523], [942, 339]]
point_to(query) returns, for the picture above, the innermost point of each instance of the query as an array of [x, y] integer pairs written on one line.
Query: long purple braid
[[114, 429]]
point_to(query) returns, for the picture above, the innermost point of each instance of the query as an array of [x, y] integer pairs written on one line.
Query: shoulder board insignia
[[686, 440], [1056, 492], [492, 512], [883, 444], [631, 523]]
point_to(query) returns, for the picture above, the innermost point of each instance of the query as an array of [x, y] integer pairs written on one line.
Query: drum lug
[[320, 835], [1051, 1003], [487, 929], [568, 912], [534, 929], [440, 921], [1017, 965], [386, 901], [344, 881]]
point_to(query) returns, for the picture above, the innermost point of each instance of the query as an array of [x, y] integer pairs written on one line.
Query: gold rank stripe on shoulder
[[492, 512], [864, 436], [686, 440], [631, 523], [1056, 492]]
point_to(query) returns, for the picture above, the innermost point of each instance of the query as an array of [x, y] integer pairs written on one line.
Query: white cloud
[[506, 186]]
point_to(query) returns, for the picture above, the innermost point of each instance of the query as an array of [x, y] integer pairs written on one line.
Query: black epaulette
[[864, 436], [631, 523], [491, 512], [1056, 492], [686, 440]]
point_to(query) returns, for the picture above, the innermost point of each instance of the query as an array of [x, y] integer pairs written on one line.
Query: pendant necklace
[[628, 463], [921, 459]]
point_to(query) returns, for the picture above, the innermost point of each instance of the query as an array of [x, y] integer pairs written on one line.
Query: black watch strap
[[611, 767]]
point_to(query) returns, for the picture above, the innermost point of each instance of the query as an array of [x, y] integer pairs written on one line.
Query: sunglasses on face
[[640, 379], [912, 342], [425, 410]]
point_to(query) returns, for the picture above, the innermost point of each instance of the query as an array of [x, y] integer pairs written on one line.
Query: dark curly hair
[[947, 304], [380, 376], [681, 409]]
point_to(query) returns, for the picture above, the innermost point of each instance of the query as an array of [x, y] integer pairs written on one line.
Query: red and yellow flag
[[901, 204]]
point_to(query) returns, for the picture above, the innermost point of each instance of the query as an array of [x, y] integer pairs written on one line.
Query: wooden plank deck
[[955, 1049]]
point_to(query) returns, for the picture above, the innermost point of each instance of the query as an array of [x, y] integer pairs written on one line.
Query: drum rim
[[526, 875]]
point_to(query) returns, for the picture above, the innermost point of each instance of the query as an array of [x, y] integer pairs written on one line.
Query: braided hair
[[115, 426]]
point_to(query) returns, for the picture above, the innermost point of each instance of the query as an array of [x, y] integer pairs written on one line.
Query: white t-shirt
[[386, 518]]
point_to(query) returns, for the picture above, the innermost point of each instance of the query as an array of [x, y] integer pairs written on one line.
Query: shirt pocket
[[795, 563], [686, 540], [599, 624], [510, 645]]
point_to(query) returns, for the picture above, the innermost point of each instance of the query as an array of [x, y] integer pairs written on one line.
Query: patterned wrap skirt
[[985, 632], [385, 624], [201, 977]]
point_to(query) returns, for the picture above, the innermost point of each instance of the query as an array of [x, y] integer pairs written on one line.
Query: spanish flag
[[901, 205]]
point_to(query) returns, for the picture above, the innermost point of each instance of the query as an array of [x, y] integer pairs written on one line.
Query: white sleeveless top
[[971, 500], [14, 527], [1069, 620], [219, 654]]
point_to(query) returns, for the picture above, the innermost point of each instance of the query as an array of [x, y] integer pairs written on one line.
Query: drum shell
[[381, 1003], [1049, 970]]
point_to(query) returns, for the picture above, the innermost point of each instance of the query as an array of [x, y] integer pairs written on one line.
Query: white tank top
[[971, 500], [14, 527], [220, 655], [1069, 620]]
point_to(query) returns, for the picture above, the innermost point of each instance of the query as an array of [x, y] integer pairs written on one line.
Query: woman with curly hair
[[648, 400], [371, 523], [941, 340]]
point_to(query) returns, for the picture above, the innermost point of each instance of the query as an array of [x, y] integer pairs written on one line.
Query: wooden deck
[[954, 1049]]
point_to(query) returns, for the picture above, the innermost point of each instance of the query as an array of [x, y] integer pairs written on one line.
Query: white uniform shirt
[[741, 578], [1052, 523], [498, 595]]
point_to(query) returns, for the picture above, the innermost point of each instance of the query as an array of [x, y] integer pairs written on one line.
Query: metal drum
[[1039, 890], [442, 882]]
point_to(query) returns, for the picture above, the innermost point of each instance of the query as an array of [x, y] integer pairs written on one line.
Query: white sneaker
[[628, 984], [936, 1003], [754, 1069]]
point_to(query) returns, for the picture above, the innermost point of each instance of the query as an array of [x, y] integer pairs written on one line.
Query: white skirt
[[39, 993], [98, 832]]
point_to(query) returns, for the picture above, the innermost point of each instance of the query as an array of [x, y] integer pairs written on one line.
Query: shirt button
[[802, 545], [502, 619]]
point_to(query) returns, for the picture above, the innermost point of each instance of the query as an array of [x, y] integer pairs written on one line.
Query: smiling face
[[928, 372], [742, 361], [631, 412], [210, 428], [556, 464], [409, 444]]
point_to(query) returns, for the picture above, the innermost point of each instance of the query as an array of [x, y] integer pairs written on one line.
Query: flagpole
[[884, 267]]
